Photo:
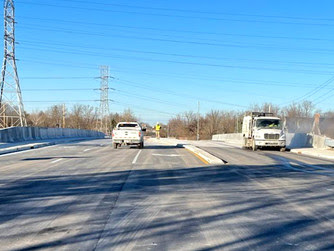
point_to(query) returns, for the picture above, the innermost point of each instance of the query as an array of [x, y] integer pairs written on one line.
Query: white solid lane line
[[55, 161], [135, 159], [88, 149]]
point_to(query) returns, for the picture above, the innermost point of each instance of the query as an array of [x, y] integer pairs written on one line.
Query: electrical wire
[[50, 44], [61, 101], [55, 89], [214, 43], [175, 16], [178, 94], [57, 21], [315, 90], [195, 11], [86, 53], [183, 76]]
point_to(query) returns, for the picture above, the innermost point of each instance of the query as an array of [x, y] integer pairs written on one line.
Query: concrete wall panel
[[19, 134]]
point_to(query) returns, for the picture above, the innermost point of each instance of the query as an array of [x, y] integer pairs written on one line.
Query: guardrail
[[19, 134]]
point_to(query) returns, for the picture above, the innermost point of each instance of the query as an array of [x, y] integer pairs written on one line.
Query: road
[[88, 196]]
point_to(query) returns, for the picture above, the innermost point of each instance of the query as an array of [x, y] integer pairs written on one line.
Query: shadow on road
[[54, 157], [161, 147], [256, 208]]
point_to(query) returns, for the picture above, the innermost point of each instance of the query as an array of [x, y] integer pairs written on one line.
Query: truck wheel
[[254, 147], [141, 145], [114, 145]]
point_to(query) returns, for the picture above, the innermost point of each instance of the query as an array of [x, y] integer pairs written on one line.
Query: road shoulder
[[24, 146], [326, 153]]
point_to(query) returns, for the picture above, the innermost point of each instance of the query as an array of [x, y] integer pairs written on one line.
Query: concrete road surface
[[88, 196]]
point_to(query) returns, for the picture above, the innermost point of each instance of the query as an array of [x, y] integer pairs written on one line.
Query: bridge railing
[[20, 134]]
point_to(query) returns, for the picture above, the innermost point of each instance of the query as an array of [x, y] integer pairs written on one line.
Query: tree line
[[79, 116], [221, 121], [180, 126]]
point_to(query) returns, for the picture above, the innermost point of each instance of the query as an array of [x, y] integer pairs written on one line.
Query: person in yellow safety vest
[[157, 130]]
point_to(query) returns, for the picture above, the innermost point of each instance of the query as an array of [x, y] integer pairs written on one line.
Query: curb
[[38, 145], [298, 151], [209, 158]]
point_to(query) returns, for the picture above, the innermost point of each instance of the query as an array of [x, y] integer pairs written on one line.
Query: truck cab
[[263, 130]]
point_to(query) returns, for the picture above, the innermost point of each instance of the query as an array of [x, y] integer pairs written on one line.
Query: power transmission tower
[[104, 99], [11, 105]]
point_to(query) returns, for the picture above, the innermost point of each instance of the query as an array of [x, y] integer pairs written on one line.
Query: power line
[[317, 89], [47, 78], [314, 91], [152, 99], [187, 77], [200, 11], [77, 52], [56, 89], [177, 16], [215, 43], [48, 44], [183, 95], [62, 101], [59, 64], [160, 29], [323, 98], [145, 108]]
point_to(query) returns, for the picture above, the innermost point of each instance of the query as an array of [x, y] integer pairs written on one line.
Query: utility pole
[[104, 99], [168, 131], [11, 104], [64, 116], [198, 122], [237, 124]]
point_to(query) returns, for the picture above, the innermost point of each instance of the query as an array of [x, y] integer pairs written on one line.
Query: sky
[[165, 56]]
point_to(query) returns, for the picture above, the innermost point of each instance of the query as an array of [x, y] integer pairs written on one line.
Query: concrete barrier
[[229, 137], [329, 142], [319, 141], [20, 134], [207, 157], [298, 140], [293, 140]]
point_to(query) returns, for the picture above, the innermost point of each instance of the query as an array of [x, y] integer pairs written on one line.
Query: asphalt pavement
[[88, 196]]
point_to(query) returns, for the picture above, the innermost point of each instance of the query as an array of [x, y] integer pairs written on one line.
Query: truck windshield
[[268, 123]]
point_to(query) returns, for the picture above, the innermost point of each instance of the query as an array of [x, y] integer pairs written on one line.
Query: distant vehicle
[[128, 133], [261, 129]]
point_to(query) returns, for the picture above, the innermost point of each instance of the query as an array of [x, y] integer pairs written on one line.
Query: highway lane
[[62, 196], [89, 196], [303, 187]]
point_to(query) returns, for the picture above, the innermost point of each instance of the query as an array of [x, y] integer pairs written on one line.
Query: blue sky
[[166, 55]]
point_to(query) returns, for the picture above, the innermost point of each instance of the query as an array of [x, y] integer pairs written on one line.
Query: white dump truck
[[260, 129], [128, 133]]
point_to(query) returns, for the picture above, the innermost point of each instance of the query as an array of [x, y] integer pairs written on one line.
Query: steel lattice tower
[[11, 105], [104, 99]]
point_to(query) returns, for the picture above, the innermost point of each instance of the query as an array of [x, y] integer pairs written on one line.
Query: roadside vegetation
[[183, 125]]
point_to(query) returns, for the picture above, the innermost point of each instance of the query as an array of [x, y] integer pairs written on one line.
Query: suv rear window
[[128, 125]]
